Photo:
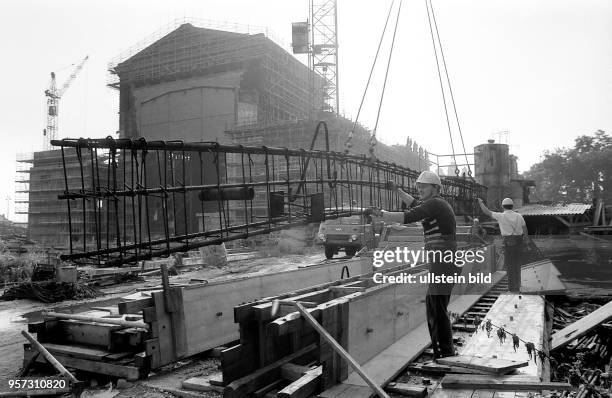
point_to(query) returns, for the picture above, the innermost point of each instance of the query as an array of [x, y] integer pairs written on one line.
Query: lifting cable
[[433, 42], [382, 95], [348, 144], [429, 4]]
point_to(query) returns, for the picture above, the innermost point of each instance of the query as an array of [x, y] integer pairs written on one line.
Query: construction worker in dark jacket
[[439, 225]]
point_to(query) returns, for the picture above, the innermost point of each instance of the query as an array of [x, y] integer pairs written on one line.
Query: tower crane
[[53, 97]]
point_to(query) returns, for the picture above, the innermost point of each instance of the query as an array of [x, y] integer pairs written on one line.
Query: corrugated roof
[[554, 210]]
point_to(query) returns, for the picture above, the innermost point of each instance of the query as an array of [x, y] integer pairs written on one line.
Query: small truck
[[345, 233]]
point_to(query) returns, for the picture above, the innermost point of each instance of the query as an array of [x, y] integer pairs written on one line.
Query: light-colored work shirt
[[510, 222]]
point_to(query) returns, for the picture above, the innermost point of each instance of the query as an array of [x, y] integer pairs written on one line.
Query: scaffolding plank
[[520, 314], [490, 365], [505, 383]]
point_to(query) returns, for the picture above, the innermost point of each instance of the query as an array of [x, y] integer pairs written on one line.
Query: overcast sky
[[541, 70]]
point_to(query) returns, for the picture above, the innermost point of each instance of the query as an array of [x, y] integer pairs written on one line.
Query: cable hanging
[[373, 140], [433, 42], [348, 144], [450, 88]]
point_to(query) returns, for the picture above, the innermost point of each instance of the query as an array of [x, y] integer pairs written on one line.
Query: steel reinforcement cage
[[154, 198]]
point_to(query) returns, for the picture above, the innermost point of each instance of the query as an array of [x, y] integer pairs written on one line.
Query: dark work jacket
[[439, 227], [439, 224]]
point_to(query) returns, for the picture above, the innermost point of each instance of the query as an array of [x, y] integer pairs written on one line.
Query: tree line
[[578, 174]]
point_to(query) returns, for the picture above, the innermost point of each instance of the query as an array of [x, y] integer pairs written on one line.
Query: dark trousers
[[513, 261], [439, 324]]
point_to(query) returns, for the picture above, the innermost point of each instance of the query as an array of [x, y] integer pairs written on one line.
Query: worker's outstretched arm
[[484, 208], [393, 217], [388, 217], [405, 197]]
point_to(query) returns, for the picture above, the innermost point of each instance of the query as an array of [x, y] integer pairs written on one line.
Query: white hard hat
[[476, 220], [429, 177], [507, 202]]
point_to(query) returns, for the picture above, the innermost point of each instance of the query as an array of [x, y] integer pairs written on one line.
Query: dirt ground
[[16, 314]]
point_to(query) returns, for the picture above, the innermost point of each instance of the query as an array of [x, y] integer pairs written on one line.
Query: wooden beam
[[597, 215], [85, 318], [407, 390], [582, 326], [123, 371], [340, 350], [504, 383], [263, 376], [304, 387], [563, 221], [40, 349], [292, 372], [134, 306], [489, 365], [78, 352]]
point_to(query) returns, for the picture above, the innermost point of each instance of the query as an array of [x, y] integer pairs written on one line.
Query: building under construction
[[195, 83], [201, 85], [48, 217]]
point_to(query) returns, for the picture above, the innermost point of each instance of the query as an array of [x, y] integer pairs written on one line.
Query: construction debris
[[581, 326], [49, 291]]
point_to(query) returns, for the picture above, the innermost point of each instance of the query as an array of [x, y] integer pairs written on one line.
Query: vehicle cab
[[349, 234]]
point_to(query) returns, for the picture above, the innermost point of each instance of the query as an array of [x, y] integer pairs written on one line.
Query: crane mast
[[53, 98]]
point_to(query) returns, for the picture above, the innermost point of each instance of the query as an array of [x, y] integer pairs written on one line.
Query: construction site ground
[[167, 382], [16, 314]]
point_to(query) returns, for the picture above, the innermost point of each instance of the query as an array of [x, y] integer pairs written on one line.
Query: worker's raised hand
[[479, 200], [372, 211], [391, 185]]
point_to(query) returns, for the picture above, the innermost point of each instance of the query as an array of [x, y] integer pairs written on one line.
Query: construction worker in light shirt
[[439, 227], [514, 234]]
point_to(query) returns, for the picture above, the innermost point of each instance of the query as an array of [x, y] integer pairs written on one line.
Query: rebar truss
[[130, 200]]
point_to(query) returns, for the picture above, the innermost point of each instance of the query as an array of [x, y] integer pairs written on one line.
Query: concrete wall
[[194, 109]]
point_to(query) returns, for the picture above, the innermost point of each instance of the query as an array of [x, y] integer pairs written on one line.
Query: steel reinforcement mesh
[[129, 200]]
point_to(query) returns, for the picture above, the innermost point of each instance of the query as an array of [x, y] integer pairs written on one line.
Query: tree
[[577, 174]]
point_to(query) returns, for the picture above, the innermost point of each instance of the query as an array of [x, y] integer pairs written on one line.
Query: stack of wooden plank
[[94, 345]]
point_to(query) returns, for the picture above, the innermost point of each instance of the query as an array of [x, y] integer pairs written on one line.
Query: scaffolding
[[324, 51], [279, 85], [41, 179], [22, 185], [223, 26]]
